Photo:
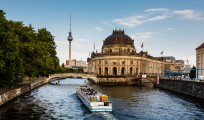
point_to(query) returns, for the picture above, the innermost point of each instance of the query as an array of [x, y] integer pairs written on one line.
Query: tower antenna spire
[[70, 38], [70, 22]]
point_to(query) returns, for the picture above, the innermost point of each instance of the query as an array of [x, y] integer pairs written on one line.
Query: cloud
[[157, 10], [99, 29], [158, 18], [107, 23], [130, 21], [189, 14], [157, 14], [169, 29], [142, 36]]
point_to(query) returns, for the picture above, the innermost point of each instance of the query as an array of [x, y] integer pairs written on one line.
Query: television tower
[[70, 38]]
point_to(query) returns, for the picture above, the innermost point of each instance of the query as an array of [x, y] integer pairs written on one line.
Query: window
[[114, 71], [131, 71], [99, 71], [110, 50], [131, 61], [128, 50], [106, 62], [106, 71], [123, 71]]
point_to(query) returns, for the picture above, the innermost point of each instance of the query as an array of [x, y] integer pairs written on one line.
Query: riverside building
[[200, 59], [120, 62]]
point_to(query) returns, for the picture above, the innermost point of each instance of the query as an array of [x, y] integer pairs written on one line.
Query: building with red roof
[[201, 46], [200, 59]]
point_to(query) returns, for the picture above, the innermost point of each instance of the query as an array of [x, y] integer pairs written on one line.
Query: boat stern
[[100, 107]]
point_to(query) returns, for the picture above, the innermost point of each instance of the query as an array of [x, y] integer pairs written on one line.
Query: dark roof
[[201, 46], [118, 37], [169, 58], [179, 61]]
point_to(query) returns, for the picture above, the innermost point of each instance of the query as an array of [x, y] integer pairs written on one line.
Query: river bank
[[187, 87], [14, 91], [7, 94]]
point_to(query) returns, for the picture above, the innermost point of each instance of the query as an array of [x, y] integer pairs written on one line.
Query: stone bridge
[[53, 77], [128, 79]]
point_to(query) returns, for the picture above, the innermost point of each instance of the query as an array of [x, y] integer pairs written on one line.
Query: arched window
[[131, 70], [137, 71], [106, 71], [115, 71], [110, 50], [128, 50], [99, 72], [123, 71]]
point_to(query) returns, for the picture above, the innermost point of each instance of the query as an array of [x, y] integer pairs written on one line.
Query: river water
[[129, 102]]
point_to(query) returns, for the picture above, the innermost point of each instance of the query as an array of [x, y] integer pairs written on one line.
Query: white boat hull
[[90, 106]]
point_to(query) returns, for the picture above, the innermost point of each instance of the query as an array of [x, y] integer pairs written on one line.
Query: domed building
[[120, 63]]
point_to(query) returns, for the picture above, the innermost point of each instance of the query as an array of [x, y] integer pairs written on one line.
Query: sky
[[175, 27]]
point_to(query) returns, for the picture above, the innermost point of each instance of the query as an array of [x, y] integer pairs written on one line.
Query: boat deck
[[93, 99]]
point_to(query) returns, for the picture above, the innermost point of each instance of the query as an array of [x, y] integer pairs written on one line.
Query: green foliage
[[193, 73], [75, 70], [63, 66], [60, 69], [24, 51]]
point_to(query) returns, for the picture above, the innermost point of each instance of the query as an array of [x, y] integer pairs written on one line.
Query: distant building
[[72, 63], [200, 59], [179, 65], [187, 68], [169, 62]]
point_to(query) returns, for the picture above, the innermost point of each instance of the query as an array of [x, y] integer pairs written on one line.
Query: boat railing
[[92, 95]]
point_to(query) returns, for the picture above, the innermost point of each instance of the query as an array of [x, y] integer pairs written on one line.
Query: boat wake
[[100, 116]]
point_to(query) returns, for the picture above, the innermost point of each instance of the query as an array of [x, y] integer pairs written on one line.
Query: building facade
[[179, 65], [119, 57], [200, 59]]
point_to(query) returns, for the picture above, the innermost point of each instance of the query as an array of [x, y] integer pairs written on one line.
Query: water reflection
[[129, 102]]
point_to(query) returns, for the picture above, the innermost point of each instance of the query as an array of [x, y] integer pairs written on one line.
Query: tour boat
[[94, 100]]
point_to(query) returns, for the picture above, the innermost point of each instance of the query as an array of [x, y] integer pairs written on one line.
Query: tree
[[193, 73], [47, 60], [11, 63], [63, 66], [60, 69], [24, 51]]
